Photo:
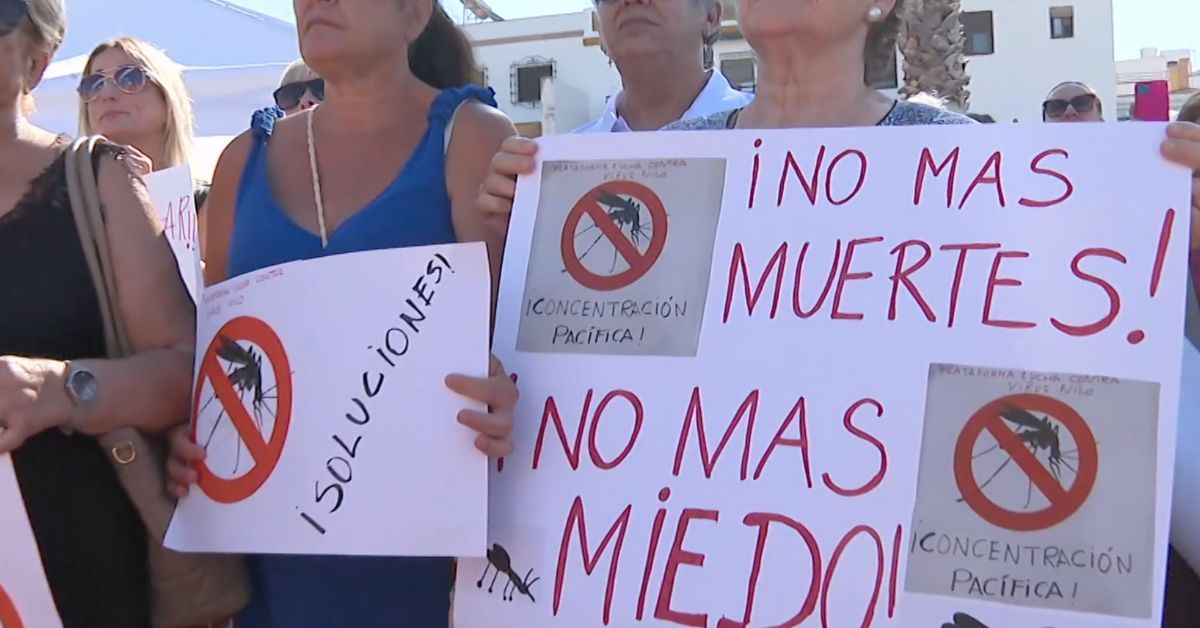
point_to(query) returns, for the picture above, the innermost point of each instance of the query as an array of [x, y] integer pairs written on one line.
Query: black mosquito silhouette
[[1037, 434], [963, 620], [499, 560], [246, 377], [625, 214]]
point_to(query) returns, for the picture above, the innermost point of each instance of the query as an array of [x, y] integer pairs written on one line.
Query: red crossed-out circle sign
[[8, 612], [610, 226], [266, 454], [1063, 501]]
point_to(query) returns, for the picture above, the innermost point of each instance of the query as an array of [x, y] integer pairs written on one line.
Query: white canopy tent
[[233, 59]]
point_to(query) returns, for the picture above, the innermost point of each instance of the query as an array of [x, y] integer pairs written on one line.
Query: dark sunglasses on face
[[288, 96], [130, 79], [11, 14], [1056, 107]]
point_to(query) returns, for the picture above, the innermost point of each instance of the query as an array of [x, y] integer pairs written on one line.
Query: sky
[[1163, 24]]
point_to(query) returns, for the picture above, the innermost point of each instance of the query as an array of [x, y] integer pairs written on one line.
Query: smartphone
[[1152, 101]]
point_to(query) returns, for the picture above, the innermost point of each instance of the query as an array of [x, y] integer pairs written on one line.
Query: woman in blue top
[[386, 171]]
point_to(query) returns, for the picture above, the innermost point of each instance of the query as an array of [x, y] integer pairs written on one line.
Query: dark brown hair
[[1190, 112], [881, 41], [442, 55]]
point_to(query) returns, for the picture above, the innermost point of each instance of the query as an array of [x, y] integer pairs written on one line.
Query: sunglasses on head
[[11, 14], [288, 96], [1056, 107], [130, 79]]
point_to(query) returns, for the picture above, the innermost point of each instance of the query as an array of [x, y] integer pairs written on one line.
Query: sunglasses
[[130, 79], [11, 14], [1057, 107], [288, 96]]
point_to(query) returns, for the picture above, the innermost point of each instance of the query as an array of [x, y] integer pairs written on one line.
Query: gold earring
[[875, 15]]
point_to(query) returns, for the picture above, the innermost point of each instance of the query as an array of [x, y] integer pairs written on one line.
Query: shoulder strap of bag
[[89, 220]]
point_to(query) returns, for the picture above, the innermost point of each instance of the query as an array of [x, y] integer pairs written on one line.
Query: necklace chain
[[316, 180]]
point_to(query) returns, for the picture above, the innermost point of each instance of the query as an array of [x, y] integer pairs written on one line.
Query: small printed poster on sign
[[1020, 474], [171, 190], [25, 599], [622, 269], [320, 402], [895, 376]]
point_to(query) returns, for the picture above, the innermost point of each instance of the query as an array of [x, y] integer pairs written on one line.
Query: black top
[[92, 543]]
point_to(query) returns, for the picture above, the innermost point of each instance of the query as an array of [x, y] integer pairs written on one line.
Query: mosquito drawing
[[625, 214], [963, 620], [499, 560], [1038, 435], [245, 375]]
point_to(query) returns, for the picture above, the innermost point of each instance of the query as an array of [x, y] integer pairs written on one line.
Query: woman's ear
[[419, 12], [35, 69], [715, 15]]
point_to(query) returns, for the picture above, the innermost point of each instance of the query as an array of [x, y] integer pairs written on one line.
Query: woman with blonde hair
[[133, 93], [57, 390]]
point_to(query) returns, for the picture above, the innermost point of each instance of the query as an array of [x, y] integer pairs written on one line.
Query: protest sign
[[171, 190], [891, 376], [319, 398], [25, 599]]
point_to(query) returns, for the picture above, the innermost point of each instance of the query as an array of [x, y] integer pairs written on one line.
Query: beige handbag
[[186, 590]]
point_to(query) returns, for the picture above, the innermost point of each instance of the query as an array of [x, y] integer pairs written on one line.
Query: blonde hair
[[297, 72], [925, 98], [48, 20], [168, 76]]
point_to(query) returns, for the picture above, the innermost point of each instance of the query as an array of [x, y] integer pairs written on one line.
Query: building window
[[1062, 22], [977, 30], [883, 76], [527, 78], [741, 72]]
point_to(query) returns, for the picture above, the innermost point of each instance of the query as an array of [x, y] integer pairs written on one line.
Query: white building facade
[[550, 75]]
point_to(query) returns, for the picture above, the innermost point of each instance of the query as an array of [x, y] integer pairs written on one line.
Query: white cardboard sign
[[320, 400], [887, 376], [25, 599], [171, 192]]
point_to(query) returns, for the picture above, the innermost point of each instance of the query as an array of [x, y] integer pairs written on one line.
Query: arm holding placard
[[150, 389]]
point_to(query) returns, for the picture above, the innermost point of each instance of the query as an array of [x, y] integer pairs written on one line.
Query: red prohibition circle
[[9, 618], [266, 454], [639, 263], [1064, 502]]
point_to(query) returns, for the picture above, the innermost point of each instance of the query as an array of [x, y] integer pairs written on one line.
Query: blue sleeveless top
[[365, 592]]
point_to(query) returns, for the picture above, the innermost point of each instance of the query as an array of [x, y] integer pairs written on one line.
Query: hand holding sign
[[499, 392], [185, 456], [496, 193], [1183, 147]]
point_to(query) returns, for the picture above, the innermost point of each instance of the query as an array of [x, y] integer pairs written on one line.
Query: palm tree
[[932, 42]]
